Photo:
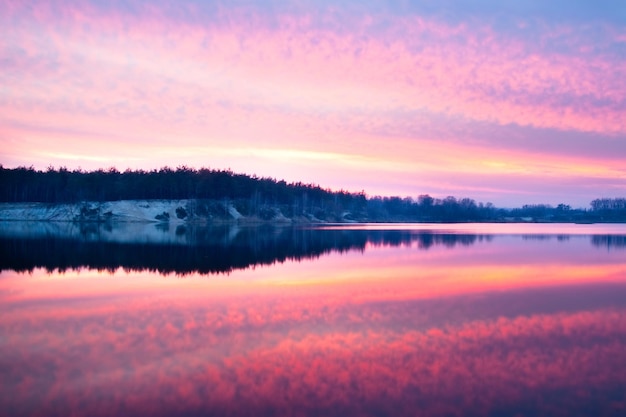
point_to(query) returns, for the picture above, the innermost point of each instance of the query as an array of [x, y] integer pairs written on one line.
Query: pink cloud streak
[[305, 68]]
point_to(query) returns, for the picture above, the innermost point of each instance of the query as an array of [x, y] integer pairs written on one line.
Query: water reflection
[[493, 326], [609, 241], [184, 249], [187, 249]]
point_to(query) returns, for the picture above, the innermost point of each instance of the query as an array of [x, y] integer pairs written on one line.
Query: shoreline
[[219, 212]]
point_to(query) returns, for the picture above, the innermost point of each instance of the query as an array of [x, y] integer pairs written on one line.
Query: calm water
[[400, 320]]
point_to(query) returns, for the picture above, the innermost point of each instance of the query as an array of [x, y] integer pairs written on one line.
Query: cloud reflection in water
[[378, 332]]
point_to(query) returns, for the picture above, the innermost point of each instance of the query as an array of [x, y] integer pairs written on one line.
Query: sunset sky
[[507, 102]]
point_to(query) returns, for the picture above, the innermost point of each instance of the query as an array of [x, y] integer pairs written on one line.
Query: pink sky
[[502, 105]]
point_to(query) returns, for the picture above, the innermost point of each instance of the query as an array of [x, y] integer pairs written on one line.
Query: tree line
[[262, 196]]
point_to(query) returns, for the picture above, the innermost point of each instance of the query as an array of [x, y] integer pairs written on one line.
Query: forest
[[261, 197]]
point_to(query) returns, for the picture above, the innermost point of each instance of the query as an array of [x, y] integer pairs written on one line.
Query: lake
[[358, 320]]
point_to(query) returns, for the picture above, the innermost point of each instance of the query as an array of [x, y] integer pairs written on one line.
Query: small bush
[[181, 213], [165, 217]]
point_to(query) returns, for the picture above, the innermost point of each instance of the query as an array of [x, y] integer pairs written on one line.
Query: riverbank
[[148, 211], [225, 211]]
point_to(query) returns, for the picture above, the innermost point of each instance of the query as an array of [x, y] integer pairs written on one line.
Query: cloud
[[308, 80], [302, 65]]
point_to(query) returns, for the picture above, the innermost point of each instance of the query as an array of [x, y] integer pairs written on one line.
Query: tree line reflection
[[205, 250], [209, 250], [609, 241]]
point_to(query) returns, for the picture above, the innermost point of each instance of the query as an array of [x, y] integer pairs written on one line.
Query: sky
[[505, 102]]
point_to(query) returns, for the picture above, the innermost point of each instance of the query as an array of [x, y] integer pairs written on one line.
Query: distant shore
[[187, 195]]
